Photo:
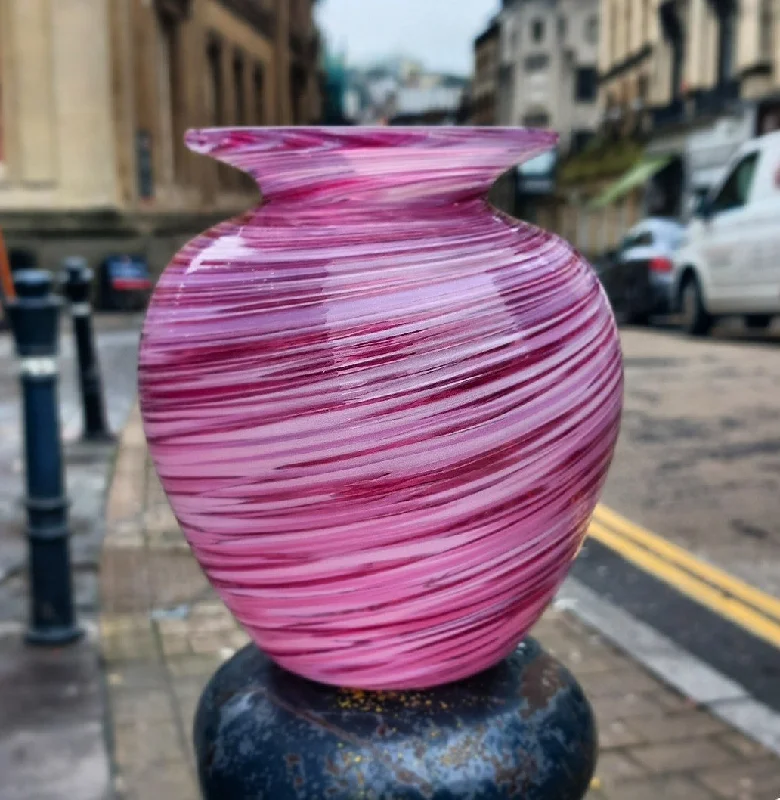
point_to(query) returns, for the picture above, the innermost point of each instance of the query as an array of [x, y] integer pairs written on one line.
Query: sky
[[439, 33]]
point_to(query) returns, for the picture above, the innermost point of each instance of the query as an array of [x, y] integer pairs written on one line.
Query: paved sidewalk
[[51, 700], [164, 633]]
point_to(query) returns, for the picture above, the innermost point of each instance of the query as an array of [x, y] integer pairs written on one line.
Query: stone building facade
[[95, 98], [549, 66], [667, 55]]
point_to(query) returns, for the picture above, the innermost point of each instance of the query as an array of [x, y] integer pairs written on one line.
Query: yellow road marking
[[728, 584], [724, 603]]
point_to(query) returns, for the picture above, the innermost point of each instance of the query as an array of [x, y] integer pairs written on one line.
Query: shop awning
[[636, 176]]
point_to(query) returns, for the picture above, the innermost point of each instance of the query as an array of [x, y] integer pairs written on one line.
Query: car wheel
[[758, 322], [695, 319]]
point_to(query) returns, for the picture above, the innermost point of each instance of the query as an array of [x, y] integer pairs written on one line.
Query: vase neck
[[372, 166]]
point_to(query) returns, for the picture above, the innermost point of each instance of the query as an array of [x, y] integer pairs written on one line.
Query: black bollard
[[34, 319], [77, 283], [523, 729]]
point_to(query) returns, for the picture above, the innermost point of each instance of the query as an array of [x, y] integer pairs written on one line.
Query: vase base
[[522, 729]]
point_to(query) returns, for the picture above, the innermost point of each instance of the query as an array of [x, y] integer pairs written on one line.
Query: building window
[[645, 20], [727, 37], [539, 119], [643, 90], [214, 83], [537, 63], [168, 92], [767, 29], [537, 30], [586, 85], [217, 108], [592, 30], [297, 94], [144, 165], [514, 41], [562, 27], [239, 90], [579, 140], [258, 94], [675, 35], [629, 35], [613, 23]]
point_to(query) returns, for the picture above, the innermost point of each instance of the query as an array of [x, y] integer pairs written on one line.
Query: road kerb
[[674, 666]]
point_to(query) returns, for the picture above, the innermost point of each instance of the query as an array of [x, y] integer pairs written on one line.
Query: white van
[[729, 260]]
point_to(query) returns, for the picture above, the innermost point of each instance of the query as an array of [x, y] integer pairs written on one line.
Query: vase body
[[382, 411]]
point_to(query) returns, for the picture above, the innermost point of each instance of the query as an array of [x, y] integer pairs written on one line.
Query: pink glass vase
[[382, 410]]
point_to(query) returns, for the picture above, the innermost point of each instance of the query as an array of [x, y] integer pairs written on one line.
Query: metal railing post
[[34, 319], [77, 284]]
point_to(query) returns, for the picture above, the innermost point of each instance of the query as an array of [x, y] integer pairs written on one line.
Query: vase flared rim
[[203, 140]]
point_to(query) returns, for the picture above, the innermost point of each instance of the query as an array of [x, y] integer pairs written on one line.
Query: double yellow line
[[722, 593]]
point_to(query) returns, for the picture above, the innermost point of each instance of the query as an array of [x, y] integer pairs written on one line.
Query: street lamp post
[[77, 283], [523, 729], [34, 319]]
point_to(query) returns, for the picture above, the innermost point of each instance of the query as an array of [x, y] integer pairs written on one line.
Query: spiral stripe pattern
[[382, 411]]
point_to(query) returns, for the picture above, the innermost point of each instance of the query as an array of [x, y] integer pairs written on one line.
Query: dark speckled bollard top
[[520, 730]]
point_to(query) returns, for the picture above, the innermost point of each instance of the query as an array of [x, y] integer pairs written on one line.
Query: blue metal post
[[77, 283], [34, 320], [523, 729]]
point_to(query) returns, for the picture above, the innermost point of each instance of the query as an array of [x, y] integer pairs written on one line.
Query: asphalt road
[[698, 460], [694, 550]]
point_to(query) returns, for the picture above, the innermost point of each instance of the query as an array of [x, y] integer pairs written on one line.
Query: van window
[[638, 239], [644, 239], [700, 194], [736, 190]]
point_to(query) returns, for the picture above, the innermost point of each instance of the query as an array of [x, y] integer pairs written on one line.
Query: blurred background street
[[667, 177]]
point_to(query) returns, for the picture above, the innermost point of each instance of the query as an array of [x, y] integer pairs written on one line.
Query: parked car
[[604, 263], [124, 283], [729, 262], [638, 276]]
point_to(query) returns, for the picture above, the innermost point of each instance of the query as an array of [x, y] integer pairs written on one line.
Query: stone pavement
[[164, 632]]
